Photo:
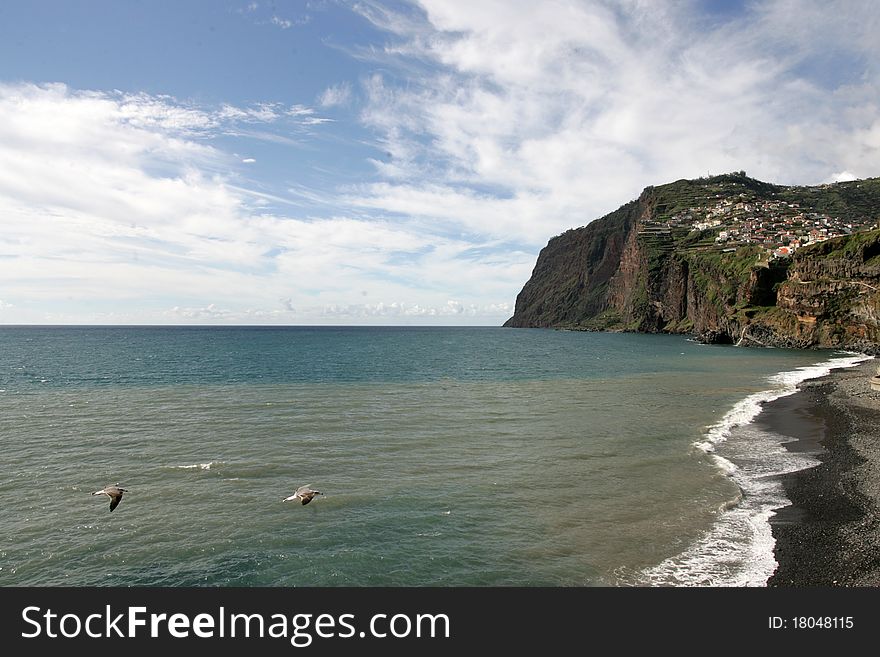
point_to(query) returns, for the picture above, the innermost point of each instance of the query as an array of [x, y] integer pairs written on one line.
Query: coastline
[[828, 535]]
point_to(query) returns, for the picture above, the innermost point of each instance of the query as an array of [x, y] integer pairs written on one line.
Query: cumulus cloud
[[208, 312], [451, 309], [842, 176]]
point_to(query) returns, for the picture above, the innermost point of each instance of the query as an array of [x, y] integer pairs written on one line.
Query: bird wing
[[114, 501], [307, 499], [303, 489]]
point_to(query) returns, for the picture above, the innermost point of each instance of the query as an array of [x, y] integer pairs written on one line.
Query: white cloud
[[450, 312], [261, 113], [843, 176], [338, 94], [300, 110], [99, 210], [529, 118], [500, 124], [450, 309], [520, 216], [208, 312], [282, 23]]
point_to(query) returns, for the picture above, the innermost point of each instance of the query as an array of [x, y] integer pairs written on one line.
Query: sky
[[318, 162]]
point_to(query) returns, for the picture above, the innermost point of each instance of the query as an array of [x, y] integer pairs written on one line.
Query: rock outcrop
[[641, 268]]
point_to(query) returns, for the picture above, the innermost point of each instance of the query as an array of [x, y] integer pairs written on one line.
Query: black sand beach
[[830, 534]]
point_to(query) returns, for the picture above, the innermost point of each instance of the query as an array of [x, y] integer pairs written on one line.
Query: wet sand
[[830, 534]]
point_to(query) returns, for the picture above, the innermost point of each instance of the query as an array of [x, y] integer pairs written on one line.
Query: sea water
[[447, 457]]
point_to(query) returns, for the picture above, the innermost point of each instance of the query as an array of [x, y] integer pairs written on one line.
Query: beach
[[829, 534]]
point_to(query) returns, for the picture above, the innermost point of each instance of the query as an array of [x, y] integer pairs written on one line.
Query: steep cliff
[[831, 296], [571, 278], [666, 263]]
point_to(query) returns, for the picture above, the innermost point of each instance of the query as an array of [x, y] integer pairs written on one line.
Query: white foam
[[198, 466], [784, 384], [738, 549]]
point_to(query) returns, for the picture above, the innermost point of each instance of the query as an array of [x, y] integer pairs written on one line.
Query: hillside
[[726, 258]]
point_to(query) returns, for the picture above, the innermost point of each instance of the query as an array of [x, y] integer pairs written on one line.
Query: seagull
[[114, 493], [303, 493]]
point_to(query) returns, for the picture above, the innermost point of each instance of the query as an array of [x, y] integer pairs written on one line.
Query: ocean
[[447, 457]]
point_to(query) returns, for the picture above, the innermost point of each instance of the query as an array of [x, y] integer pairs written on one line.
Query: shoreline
[[828, 535]]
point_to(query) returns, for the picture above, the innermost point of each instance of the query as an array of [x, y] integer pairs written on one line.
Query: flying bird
[[304, 494], [114, 493]]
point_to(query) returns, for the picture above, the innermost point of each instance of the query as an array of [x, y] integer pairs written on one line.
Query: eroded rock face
[[615, 274], [573, 272], [834, 297]]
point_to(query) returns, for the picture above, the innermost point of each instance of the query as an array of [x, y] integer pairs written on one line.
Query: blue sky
[[372, 162]]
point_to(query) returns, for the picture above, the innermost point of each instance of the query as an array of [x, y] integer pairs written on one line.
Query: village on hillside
[[779, 226]]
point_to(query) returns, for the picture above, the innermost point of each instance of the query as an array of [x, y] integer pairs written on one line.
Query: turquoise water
[[448, 456]]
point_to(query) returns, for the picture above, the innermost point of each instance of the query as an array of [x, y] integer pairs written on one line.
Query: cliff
[[727, 259]]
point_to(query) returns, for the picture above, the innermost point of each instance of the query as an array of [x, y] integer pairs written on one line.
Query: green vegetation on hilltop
[[680, 196], [850, 201], [857, 200]]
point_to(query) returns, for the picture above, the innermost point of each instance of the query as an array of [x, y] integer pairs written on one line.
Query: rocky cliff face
[[631, 270], [831, 296], [571, 278]]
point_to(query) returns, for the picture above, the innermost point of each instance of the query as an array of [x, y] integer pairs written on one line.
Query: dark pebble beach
[[830, 534]]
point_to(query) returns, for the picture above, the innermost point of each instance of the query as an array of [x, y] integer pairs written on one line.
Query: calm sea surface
[[448, 456]]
